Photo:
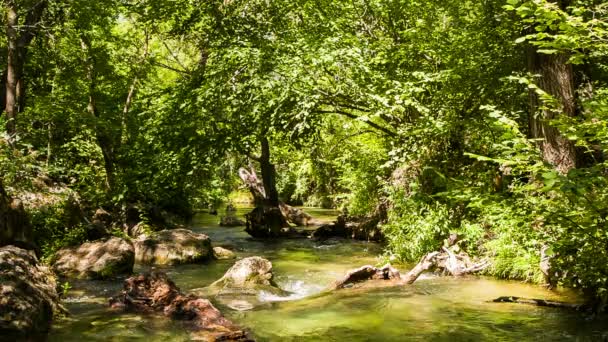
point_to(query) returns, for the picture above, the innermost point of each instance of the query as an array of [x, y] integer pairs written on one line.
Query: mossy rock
[[171, 247]]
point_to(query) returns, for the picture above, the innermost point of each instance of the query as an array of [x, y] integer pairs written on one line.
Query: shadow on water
[[433, 309]]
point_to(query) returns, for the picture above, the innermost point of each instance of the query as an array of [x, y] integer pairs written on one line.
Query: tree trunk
[[17, 46], [270, 215], [103, 140], [556, 79], [13, 70], [268, 175]]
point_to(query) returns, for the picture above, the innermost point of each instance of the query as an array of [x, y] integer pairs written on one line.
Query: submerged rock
[[221, 253], [156, 293], [28, 296], [96, 260], [248, 276], [170, 247], [231, 221]]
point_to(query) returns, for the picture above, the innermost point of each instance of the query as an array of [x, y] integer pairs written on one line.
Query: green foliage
[[415, 228], [52, 228], [65, 288]]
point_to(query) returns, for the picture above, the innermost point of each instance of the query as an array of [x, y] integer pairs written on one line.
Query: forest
[[259, 170]]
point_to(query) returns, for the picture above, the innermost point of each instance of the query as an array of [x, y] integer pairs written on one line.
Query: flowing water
[[432, 309]]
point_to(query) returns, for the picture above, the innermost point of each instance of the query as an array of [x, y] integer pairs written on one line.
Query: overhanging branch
[[358, 118]]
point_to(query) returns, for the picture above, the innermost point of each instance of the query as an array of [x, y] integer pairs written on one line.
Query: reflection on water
[[432, 309]]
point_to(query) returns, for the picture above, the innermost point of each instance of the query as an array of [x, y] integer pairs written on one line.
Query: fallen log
[[459, 265], [365, 273], [456, 265], [427, 261]]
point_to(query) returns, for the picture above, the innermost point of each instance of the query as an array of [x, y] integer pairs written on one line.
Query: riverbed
[[432, 309]]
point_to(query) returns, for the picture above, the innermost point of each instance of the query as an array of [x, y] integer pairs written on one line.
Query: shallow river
[[432, 309]]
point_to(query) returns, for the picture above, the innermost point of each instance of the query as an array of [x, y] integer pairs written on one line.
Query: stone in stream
[[221, 253], [231, 221], [96, 260], [156, 293], [28, 296], [248, 276], [171, 247]]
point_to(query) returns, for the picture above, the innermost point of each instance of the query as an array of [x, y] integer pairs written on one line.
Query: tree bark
[[556, 77], [268, 175], [13, 70], [270, 215], [17, 46]]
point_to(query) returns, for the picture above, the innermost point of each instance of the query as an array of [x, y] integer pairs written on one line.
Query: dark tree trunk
[[270, 216], [266, 220], [556, 79], [103, 139], [268, 175], [13, 97]]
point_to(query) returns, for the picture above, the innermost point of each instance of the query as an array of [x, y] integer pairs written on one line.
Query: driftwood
[[459, 265], [446, 260], [367, 272], [427, 261]]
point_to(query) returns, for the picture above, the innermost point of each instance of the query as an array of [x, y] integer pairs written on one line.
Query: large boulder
[[248, 276], [156, 293], [28, 296], [170, 247], [96, 260]]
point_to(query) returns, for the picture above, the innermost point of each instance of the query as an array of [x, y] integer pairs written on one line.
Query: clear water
[[432, 309]]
